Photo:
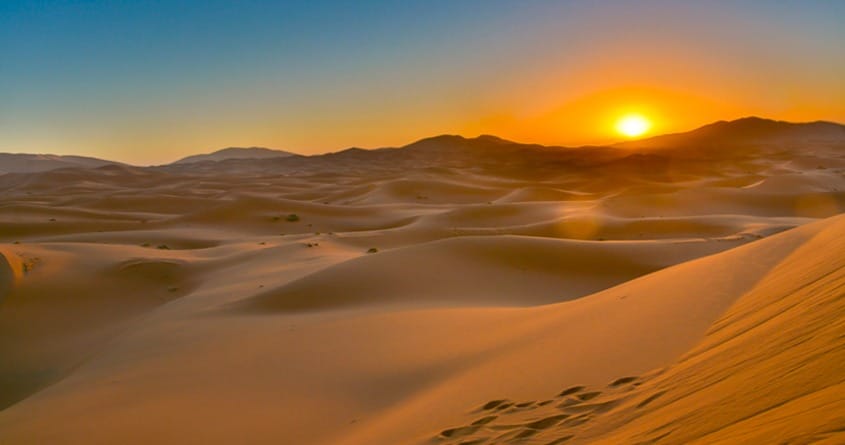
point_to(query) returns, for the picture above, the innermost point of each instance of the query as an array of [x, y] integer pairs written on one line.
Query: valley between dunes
[[678, 297]]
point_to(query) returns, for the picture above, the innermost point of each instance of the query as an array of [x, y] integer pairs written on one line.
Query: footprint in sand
[[474, 441], [484, 420], [514, 435], [594, 407], [525, 434], [504, 406], [577, 420], [579, 404], [588, 395], [568, 403], [570, 391], [546, 422], [650, 399], [460, 431], [622, 381], [528, 429], [561, 440], [493, 404]]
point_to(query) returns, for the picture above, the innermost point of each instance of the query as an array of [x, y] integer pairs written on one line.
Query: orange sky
[[151, 83]]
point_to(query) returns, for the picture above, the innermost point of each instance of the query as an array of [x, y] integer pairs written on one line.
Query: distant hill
[[31, 163], [715, 145], [745, 131], [719, 141], [749, 131], [236, 153]]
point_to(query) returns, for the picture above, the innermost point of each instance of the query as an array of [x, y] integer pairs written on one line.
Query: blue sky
[[150, 81]]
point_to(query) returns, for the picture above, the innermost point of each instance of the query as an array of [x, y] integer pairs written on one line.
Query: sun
[[633, 125]]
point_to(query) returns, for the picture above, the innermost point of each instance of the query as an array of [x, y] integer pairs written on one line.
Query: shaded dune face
[[455, 291], [770, 367], [11, 271], [59, 308], [472, 271]]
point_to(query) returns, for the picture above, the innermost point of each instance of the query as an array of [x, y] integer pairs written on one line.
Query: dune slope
[[450, 291], [398, 364], [771, 367]]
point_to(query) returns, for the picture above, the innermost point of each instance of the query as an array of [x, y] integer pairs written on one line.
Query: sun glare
[[633, 125]]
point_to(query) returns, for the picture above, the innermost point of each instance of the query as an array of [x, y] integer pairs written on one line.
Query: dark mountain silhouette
[[750, 137], [236, 153], [745, 131], [30, 163]]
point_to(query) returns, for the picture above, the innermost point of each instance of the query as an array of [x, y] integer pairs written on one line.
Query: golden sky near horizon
[[147, 83]]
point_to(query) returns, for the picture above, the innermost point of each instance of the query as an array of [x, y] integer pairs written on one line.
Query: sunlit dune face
[[633, 125]]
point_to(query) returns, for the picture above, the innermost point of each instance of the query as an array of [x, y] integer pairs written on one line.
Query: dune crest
[[455, 290], [789, 387]]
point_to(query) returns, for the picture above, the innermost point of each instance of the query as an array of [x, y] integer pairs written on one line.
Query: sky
[[148, 82]]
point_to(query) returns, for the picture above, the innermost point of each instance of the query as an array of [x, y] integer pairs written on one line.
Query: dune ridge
[[788, 388], [456, 290]]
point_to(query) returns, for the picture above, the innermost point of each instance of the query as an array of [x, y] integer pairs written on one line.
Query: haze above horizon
[[150, 82]]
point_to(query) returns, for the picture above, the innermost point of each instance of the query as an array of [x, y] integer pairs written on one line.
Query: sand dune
[[64, 301], [11, 271], [769, 367], [477, 271], [451, 291]]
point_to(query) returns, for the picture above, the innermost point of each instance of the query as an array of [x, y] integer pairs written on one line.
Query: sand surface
[[426, 295]]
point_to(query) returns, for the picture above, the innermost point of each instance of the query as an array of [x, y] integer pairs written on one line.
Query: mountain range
[[235, 153], [719, 139], [29, 163]]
